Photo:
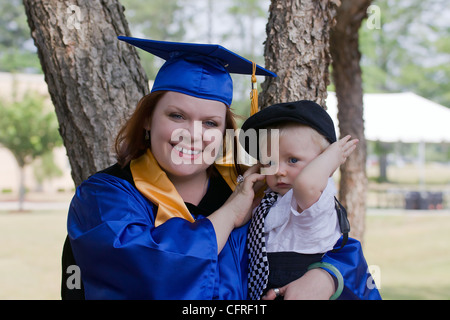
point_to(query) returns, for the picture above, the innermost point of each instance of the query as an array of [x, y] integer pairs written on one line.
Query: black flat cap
[[304, 112]]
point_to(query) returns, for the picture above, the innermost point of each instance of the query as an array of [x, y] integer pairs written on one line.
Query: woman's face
[[186, 133]]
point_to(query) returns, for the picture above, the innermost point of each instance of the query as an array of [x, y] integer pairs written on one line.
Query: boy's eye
[[293, 160]]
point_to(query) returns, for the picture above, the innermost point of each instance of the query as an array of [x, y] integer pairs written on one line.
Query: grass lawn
[[411, 250], [412, 253], [30, 254]]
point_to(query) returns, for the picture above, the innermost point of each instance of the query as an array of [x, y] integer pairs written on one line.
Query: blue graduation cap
[[199, 70]]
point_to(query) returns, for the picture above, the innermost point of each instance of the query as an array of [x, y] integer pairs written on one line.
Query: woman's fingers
[[250, 180], [273, 293], [252, 169]]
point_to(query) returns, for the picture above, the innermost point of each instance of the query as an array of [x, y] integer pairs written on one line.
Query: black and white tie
[[258, 264]]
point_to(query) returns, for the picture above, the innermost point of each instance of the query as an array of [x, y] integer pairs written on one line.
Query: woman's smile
[[187, 153]]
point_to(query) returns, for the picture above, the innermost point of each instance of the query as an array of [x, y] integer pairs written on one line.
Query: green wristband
[[337, 274]]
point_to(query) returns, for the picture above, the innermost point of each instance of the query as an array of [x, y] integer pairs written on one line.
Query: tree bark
[[347, 79], [94, 79], [297, 49], [21, 187]]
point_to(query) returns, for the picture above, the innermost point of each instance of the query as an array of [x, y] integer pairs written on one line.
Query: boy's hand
[[342, 148], [313, 178]]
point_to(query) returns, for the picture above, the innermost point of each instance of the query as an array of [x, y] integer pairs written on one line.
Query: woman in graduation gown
[[165, 222]]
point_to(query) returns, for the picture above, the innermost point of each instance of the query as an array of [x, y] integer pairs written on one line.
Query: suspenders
[[343, 222]]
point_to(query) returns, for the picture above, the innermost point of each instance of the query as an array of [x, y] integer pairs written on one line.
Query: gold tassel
[[254, 92]]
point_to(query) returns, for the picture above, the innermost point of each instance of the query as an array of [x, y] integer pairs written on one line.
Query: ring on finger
[[277, 292], [239, 179]]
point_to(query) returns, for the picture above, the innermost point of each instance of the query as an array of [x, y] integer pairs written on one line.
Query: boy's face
[[296, 149]]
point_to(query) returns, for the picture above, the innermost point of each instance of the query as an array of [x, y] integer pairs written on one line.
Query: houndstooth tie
[[258, 264]]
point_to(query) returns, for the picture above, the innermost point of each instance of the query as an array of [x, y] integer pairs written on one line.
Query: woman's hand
[[242, 200], [316, 284], [237, 210]]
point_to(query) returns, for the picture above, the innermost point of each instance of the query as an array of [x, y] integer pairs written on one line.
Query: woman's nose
[[190, 134], [196, 131]]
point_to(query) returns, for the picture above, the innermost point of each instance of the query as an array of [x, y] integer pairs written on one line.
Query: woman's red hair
[[130, 142]]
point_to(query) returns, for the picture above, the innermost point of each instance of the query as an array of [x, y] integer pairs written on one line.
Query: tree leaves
[[28, 128]]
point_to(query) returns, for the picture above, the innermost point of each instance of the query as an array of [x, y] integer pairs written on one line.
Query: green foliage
[[156, 19], [438, 152], [46, 168], [27, 128], [15, 60], [17, 52], [193, 21], [410, 51]]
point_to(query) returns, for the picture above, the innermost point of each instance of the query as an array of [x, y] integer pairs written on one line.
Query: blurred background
[[405, 47]]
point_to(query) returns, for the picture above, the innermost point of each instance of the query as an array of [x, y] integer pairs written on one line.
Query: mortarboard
[[199, 70]]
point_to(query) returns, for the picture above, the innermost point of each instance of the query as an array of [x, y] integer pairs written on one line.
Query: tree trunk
[[94, 79], [297, 49], [347, 79], [22, 189]]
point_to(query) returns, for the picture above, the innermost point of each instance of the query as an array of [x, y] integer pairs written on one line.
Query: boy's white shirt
[[315, 230]]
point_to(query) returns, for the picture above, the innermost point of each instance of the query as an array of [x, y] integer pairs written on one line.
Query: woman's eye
[[293, 160], [176, 116], [210, 124]]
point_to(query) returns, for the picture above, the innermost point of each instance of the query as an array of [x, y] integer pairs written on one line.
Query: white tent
[[405, 117]]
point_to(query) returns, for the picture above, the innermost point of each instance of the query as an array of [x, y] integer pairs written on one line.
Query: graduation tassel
[[254, 92]]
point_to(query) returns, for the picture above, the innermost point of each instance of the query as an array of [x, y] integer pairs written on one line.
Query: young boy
[[301, 223]]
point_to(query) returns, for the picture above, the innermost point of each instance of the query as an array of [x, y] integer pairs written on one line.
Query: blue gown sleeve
[[350, 261], [122, 255]]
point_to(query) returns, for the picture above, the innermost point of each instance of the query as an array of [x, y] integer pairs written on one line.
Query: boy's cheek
[[270, 181]]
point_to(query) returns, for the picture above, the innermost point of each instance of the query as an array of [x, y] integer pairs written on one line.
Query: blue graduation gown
[[350, 261], [122, 255]]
